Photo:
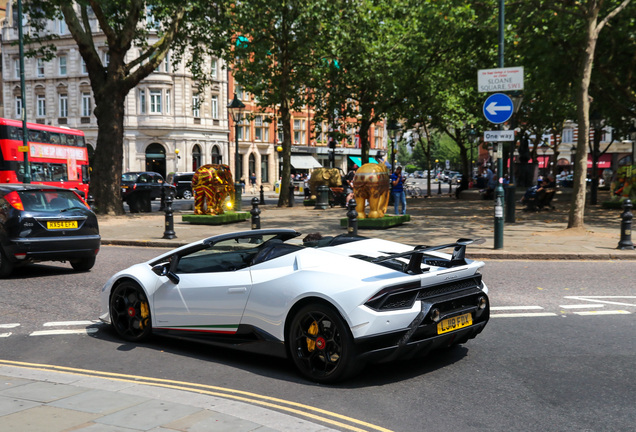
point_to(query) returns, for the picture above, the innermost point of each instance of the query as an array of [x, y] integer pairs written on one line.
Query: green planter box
[[387, 221], [225, 218]]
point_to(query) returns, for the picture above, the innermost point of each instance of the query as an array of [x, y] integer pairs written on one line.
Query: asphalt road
[[557, 354]]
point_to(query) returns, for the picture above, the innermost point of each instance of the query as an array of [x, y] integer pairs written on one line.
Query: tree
[[281, 45], [152, 27]]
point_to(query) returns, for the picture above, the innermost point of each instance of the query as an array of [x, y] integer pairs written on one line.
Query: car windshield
[[129, 177], [51, 200]]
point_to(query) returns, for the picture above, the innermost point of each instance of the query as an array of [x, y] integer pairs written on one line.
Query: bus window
[[80, 141], [70, 140], [85, 174], [54, 138]]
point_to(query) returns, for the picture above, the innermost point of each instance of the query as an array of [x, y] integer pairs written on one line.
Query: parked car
[[45, 223], [139, 188], [330, 304], [456, 178], [182, 181]]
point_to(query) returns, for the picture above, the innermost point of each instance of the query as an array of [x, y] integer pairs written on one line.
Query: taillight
[[82, 200], [14, 199]]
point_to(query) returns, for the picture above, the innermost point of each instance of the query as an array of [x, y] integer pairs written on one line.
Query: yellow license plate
[[454, 323], [61, 225]]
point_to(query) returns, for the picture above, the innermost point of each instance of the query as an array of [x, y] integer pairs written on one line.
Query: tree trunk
[[577, 207], [285, 176], [105, 183], [363, 133]]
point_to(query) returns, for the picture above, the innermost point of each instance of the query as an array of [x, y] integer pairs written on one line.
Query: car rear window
[[129, 177], [49, 200]]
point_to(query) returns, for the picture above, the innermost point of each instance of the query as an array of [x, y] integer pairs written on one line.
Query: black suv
[[45, 223], [139, 188], [183, 182]]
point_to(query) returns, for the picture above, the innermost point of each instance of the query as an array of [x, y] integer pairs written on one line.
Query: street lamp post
[[26, 177], [235, 108], [393, 127]]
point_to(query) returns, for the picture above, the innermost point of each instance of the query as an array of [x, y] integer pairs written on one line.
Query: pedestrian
[[348, 184], [253, 182], [397, 190]]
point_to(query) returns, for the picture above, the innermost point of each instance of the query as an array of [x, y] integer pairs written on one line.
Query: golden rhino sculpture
[[371, 183], [212, 185]]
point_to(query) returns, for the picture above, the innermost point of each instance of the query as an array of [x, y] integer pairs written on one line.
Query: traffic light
[[332, 143]]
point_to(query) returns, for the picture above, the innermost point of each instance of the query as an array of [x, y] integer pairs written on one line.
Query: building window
[[196, 106], [86, 104], [155, 101], [142, 101], [41, 105], [39, 68], [214, 102], [62, 65], [261, 129], [216, 156], [213, 68], [60, 25], [240, 93], [18, 107], [167, 101], [264, 168], [299, 131], [16, 66], [244, 130], [84, 70], [63, 105], [166, 63], [106, 59], [279, 131]]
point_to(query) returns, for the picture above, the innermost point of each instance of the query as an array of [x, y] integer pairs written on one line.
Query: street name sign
[[498, 108], [502, 79], [504, 135]]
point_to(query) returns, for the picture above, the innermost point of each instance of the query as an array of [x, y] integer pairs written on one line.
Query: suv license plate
[[454, 323], [55, 225]]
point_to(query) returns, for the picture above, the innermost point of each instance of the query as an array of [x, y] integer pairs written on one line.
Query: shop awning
[[305, 162], [604, 161], [358, 161]]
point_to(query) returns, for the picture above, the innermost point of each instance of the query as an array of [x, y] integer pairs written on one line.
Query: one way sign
[[498, 108]]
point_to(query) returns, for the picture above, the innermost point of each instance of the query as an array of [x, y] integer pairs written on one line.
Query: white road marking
[[604, 312], [4, 335], [601, 299], [12, 325], [582, 306], [523, 315], [497, 308], [67, 323], [62, 332]]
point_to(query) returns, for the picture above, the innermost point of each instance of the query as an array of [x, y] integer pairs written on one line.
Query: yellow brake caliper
[[313, 330], [144, 314]]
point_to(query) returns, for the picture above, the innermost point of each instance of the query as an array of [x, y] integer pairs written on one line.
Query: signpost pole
[[26, 176], [499, 191]]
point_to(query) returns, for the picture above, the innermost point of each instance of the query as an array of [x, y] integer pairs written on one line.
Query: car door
[[211, 294]]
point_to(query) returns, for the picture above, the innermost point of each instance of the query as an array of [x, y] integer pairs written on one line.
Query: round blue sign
[[498, 108]]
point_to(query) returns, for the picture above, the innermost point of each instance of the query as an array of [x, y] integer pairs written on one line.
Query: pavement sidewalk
[[436, 220], [41, 400]]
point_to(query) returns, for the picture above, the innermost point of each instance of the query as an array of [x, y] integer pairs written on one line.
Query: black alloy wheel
[[321, 344], [130, 312]]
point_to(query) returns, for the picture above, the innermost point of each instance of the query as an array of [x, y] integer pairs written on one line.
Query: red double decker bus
[[57, 156]]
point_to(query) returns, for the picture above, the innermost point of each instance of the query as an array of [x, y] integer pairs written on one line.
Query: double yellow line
[[320, 415]]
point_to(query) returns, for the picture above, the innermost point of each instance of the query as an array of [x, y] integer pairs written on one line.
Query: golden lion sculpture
[[371, 183], [211, 185]]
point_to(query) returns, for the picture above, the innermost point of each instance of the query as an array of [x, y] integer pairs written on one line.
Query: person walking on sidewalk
[[253, 182], [397, 190]]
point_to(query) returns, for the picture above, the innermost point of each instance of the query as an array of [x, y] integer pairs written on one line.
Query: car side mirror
[[164, 270]]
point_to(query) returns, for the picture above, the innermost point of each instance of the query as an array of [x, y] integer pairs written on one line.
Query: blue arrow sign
[[498, 108]]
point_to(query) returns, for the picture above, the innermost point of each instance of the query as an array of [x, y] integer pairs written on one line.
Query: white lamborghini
[[330, 304]]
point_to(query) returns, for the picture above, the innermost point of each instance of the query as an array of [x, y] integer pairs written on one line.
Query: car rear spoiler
[[415, 263]]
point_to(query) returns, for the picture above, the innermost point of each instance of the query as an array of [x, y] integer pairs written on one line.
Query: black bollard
[[352, 215], [439, 187], [90, 201], [255, 212], [262, 202], [169, 232], [291, 194], [450, 187], [625, 242]]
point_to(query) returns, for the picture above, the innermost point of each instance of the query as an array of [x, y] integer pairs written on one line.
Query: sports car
[[331, 304]]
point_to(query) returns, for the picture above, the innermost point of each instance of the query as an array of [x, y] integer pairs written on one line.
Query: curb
[[479, 255]]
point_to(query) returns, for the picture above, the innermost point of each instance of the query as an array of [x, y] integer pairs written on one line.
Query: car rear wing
[[417, 254]]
